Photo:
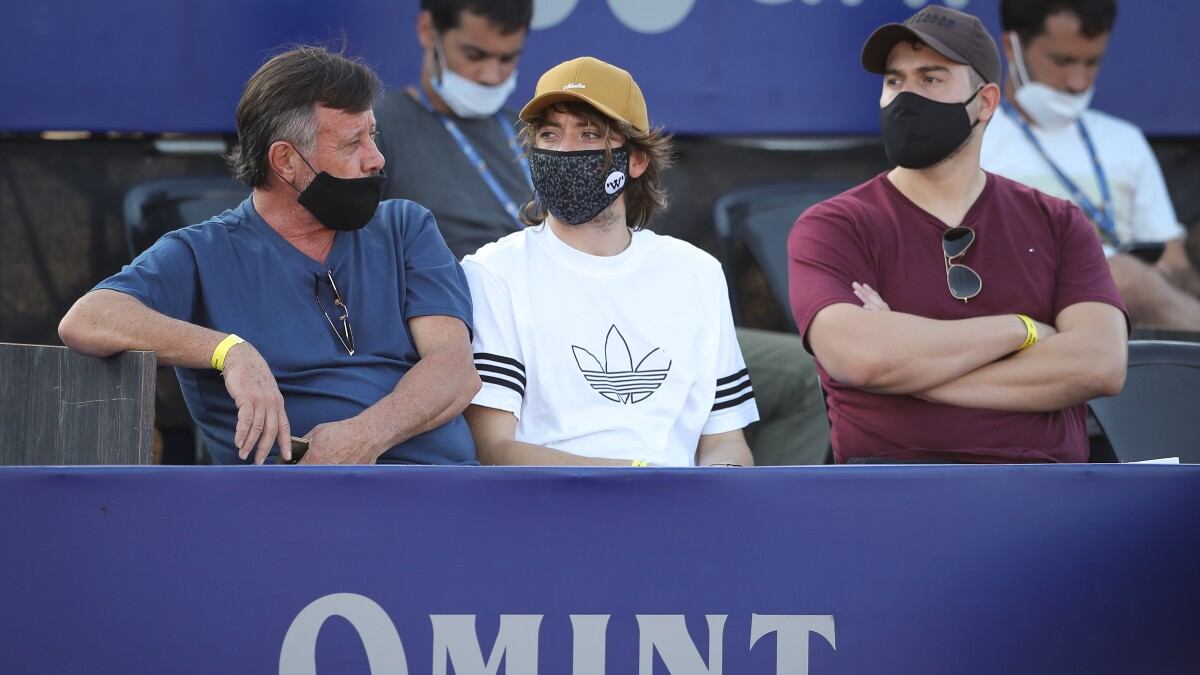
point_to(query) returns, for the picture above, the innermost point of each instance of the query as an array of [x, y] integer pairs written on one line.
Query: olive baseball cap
[[605, 87], [955, 35]]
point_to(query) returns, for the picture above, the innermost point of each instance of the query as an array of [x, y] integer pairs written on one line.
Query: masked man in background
[[1047, 137]]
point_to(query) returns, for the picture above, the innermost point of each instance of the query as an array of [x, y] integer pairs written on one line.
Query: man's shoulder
[[1100, 122], [231, 224], [861, 203], [401, 211], [397, 220], [1121, 137], [1012, 196], [397, 104], [1002, 139], [677, 250], [508, 251]]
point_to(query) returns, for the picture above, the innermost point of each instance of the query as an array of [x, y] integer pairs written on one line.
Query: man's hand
[[871, 300], [341, 442], [261, 419]]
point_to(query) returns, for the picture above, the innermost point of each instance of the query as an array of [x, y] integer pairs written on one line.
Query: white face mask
[[1049, 107], [468, 98]]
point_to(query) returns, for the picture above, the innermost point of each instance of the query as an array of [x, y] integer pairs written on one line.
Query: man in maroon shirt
[[954, 315]]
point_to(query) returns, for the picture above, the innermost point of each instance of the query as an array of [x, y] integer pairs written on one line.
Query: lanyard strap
[[1102, 217], [472, 155]]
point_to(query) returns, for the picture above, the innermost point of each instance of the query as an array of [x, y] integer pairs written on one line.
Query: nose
[[492, 72], [374, 161], [1079, 78], [569, 143]]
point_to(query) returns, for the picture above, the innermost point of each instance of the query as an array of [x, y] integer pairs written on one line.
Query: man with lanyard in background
[[451, 147], [1047, 138]]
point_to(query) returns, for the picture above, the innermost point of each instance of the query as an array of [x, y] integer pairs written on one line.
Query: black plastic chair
[[156, 207], [1155, 415], [760, 218]]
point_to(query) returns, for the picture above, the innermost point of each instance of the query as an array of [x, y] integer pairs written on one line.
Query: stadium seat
[[1155, 414], [156, 207], [760, 217]]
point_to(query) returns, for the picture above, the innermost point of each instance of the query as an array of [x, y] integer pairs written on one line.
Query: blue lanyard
[[1103, 218], [472, 155]]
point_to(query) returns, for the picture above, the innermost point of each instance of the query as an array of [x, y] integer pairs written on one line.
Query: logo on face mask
[[614, 182]]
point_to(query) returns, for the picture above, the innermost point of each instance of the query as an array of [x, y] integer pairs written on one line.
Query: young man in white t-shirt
[[1047, 138], [599, 342]]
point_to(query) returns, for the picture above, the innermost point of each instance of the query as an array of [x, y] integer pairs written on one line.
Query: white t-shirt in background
[[631, 356], [1144, 212]]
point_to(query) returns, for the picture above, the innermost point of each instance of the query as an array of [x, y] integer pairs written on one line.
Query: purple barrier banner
[[414, 570], [707, 66]]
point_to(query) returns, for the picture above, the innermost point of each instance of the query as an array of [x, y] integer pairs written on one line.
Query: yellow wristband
[[218, 357], [1031, 336], [639, 462]]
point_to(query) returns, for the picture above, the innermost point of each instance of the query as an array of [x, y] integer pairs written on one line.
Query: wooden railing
[[58, 407]]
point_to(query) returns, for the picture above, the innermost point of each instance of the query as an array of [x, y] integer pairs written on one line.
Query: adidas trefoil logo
[[618, 379]]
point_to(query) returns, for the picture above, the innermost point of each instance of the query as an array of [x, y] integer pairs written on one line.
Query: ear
[[283, 161], [638, 163], [989, 101], [425, 31]]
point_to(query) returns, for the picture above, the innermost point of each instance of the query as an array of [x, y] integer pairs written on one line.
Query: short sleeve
[[825, 255], [1153, 214], [733, 406], [163, 278], [496, 344], [1083, 274], [434, 281]]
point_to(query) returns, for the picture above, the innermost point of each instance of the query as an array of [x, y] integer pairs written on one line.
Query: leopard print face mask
[[577, 186]]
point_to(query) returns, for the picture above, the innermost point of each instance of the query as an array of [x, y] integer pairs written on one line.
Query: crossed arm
[[495, 432], [439, 386], [964, 362]]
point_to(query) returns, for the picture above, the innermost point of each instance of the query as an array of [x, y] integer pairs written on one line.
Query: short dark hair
[[280, 99], [1028, 17], [510, 15]]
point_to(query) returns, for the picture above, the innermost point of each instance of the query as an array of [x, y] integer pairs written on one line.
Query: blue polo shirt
[[235, 274]]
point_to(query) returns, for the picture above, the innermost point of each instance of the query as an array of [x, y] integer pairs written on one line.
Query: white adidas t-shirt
[[1144, 212], [631, 356]]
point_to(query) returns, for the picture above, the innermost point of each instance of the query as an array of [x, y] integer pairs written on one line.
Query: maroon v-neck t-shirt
[[1037, 255]]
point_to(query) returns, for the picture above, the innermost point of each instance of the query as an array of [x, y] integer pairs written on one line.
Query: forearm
[[1177, 268], [897, 353], [1061, 371], [731, 450], [430, 394], [517, 453], [106, 322]]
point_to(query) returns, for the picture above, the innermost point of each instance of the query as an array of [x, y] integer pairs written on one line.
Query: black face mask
[[919, 132], [576, 186], [342, 204]]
